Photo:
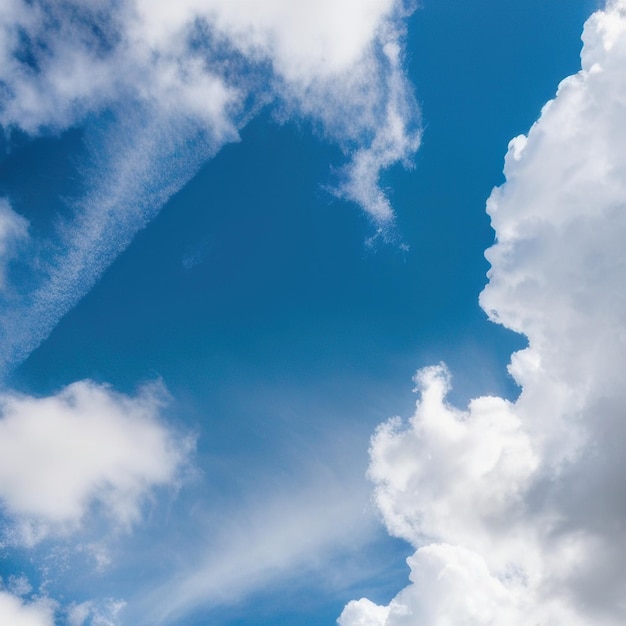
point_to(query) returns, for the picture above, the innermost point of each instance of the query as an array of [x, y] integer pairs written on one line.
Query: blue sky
[[230, 235]]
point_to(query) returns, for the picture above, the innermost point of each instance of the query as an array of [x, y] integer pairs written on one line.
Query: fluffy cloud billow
[[516, 509], [86, 446]]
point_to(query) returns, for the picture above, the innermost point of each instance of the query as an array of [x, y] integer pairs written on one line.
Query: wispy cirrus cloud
[[515, 508], [294, 537], [160, 89], [305, 523]]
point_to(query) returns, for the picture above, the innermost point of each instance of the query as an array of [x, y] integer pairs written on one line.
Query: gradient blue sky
[[279, 326]]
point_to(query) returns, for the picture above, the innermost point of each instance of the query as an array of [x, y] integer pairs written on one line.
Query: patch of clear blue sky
[[255, 298]]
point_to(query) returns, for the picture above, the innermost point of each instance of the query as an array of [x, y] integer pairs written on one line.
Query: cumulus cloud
[[87, 445], [515, 508], [474, 466], [160, 88]]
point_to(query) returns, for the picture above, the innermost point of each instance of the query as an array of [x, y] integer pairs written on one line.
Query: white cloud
[[59, 455], [178, 82], [516, 509], [303, 40], [20, 607], [364, 612], [104, 613], [19, 585], [16, 612], [470, 472], [13, 229], [395, 138]]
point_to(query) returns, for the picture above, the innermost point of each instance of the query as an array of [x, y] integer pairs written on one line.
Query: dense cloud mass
[[160, 88], [516, 509]]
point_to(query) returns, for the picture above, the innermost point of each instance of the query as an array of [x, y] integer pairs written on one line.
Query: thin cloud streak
[[148, 162], [306, 529]]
